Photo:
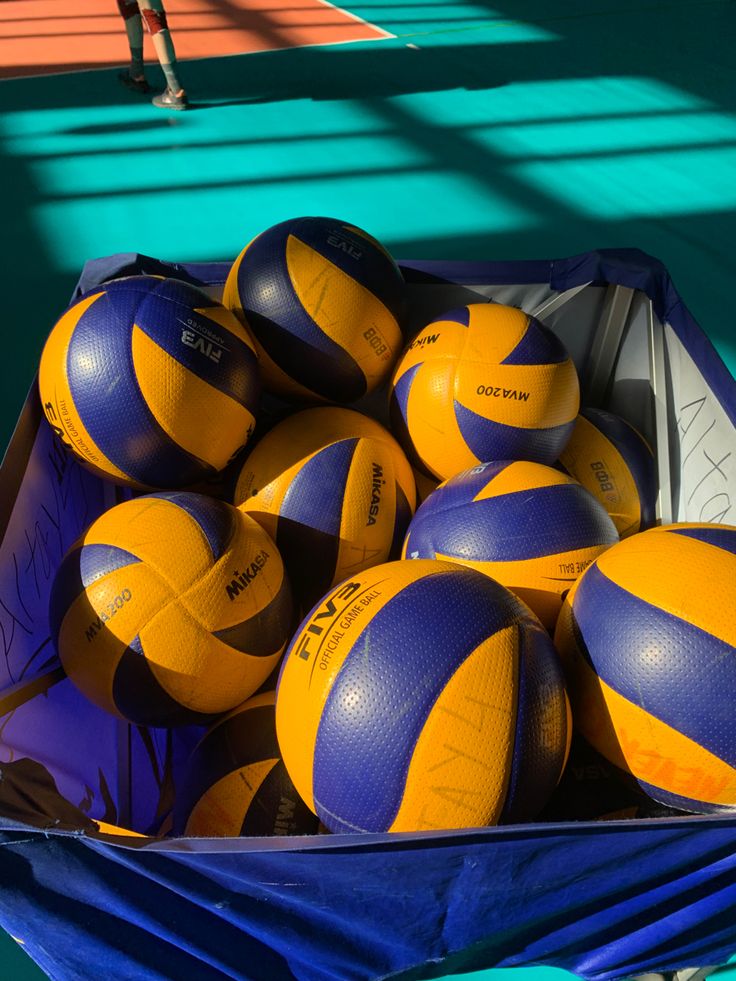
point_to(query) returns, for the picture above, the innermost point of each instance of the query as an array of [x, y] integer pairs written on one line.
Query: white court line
[[352, 16]]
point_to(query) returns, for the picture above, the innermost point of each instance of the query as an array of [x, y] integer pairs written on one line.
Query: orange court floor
[[43, 37]]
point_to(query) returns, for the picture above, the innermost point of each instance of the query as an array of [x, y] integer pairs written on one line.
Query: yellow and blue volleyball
[[483, 382], [170, 607], [326, 305], [334, 490], [235, 782], [422, 696], [615, 463], [648, 639], [150, 382], [527, 525]]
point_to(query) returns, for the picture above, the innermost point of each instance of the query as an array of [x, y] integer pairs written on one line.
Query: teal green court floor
[[480, 130]]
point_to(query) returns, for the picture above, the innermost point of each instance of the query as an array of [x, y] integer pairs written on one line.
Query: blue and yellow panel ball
[[326, 304], [334, 490], [236, 783], [615, 463], [527, 525], [150, 382], [170, 606], [484, 382], [422, 696], [648, 639]]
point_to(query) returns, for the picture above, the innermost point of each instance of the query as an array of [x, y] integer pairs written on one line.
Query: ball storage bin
[[92, 883]]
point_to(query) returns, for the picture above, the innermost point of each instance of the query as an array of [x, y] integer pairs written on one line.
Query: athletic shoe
[[136, 84], [171, 100]]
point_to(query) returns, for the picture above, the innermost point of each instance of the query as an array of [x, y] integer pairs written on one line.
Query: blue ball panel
[[121, 425], [488, 440], [720, 536], [658, 661], [458, 315], [315, 495], [402, 518], [683, 803], [462, 488], [398, 412], [217, 521], [539, 345], [96, 561], [545, 521], [537, 758], [79, 569], [372, 268], [308, 529], [265, 632], [365, 742]]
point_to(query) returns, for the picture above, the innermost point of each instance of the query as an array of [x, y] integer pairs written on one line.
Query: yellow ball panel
[[56, 396], [196, 669], [460, 782], [441, 340], [621, 501], [677, 574], [181, 401], [639, 743], [230, 293], [344, 310], [254, 563], [521, 475], [538, 395], [494, 331], [270, 467], [367, 520], [221, 810], [432, 422], [150, 527]]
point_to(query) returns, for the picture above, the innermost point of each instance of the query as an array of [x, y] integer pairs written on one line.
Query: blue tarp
[[604, 899]]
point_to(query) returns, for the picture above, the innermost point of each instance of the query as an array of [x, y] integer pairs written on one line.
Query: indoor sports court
[[460, 135]]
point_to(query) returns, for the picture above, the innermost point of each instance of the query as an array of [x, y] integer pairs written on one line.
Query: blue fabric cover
[[604, 900]]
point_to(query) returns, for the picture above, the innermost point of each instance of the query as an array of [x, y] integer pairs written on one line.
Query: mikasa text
[[377, 483], [243, 579]]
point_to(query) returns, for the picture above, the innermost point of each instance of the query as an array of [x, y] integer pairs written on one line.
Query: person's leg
[[154, 17], [134, 77]]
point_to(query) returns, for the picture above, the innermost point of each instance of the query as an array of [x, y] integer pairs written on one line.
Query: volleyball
[[150, 382], [326, 305], [480, 383], [334, 490], [421, 696], [615, 463], [648, 642], [170, 606], [235, 782], [527, 525]]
